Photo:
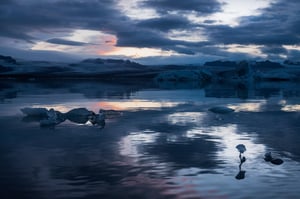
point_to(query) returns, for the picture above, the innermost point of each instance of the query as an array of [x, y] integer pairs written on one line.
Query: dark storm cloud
[[7, 32], [202, 7], [21, 21], [210, 21], [274, 50], [66, 42], [146, 38], [183, 50], [277, 25], [51, 16], [142, 38], [166, 23], [257, 34]]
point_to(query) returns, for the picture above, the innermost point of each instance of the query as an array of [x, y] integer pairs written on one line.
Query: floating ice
[[241, 148], [52, 117]]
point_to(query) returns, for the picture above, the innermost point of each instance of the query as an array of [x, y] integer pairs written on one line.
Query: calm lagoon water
[[164, 144]]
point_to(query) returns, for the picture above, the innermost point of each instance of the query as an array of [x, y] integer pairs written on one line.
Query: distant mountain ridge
[[118, 68]]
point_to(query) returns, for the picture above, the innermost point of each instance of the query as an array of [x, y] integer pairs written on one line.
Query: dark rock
[[268, 157], [277, 161]]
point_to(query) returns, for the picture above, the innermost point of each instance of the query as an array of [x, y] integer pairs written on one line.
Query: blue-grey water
[[164, 143]]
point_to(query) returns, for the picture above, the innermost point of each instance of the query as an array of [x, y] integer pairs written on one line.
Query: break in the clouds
[[192, 30]]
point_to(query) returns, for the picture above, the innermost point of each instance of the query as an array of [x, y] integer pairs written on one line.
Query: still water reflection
[[165, 144]]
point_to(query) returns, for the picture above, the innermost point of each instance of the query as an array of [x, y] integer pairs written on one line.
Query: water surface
[[164, 144]]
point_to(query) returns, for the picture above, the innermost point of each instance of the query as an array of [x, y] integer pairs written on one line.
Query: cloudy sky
[[151, 31]]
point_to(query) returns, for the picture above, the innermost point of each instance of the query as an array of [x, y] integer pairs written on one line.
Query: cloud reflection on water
[[227, 137], [135, 104], [165, 139]]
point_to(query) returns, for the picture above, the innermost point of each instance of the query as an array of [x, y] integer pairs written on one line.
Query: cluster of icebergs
[[53, 117]]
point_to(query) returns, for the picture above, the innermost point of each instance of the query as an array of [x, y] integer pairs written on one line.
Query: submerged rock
[[269, 158], [277, 161], [221, 109]]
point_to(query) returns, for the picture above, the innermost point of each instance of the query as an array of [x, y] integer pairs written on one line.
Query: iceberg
[[48, 118], [98, 119], [79, 115], [53, 118]]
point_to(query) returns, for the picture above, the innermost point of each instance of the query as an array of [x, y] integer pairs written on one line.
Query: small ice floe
[[221, 110], [98, 119], [53, 118], [269, 158], [35, 112], [241, 148], [79, 115]]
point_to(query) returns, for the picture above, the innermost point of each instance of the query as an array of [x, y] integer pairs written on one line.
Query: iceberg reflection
[[51, 117]]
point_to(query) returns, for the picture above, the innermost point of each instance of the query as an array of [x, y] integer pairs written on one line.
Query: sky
[[151, 31]]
